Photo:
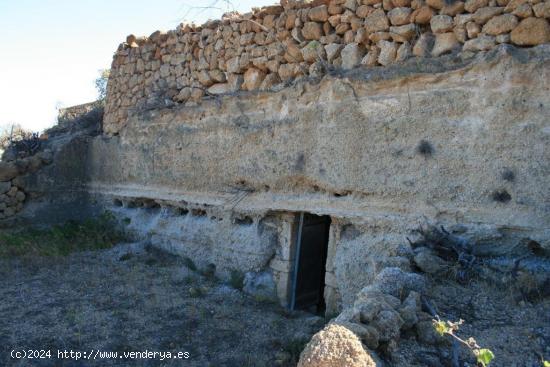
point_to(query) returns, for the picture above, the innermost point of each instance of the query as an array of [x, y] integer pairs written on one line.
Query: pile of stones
[[12, 195], [275, 44]]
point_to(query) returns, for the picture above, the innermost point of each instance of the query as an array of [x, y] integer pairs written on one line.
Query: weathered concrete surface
[[456, 141], [358, 139]]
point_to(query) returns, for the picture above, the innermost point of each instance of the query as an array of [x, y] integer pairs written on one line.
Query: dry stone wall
[[12, 194], [279, 43]]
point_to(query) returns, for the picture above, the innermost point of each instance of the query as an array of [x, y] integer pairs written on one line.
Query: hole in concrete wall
[[342, 194], [132, 204], [425, 148], [501, 196], [508, 175], [311, 254], [181, 211], [117, 202], [198, 212], [244, 221]]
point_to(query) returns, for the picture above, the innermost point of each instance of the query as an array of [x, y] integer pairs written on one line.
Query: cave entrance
[[308, 283]]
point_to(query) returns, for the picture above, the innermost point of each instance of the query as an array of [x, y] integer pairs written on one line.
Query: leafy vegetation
[[101, 83], [95, 233], [483, 356]]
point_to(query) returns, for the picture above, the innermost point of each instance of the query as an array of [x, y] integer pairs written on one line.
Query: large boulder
[[335, 346]]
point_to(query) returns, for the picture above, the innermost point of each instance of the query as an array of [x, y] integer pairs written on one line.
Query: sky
[[52, 50]]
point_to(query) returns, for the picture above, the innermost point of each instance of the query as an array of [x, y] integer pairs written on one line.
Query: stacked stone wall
[[277, 44], [12, 193]]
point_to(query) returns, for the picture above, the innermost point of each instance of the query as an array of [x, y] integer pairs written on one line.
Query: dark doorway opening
[[311, 258]]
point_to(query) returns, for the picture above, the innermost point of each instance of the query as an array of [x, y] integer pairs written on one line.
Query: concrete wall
[[459, 141]]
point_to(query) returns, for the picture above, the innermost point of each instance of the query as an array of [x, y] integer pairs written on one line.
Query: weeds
[[483, 356], [61, 240]]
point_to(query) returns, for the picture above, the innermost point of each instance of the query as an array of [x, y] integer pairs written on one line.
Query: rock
[[233, 65], [20, 196], [529, 32], [472, 5], [379, 36], [270, 81], [481, 16], [335, 346], [235, 82], [370, 301], [397, 283], [4, 187], [500, 24], [219, 88], [444, 43], [312, 31], [523, 11], [388, 52], [441, 23], [461, 19], [542, 10], [165, 71], [460, 33], [403, 33], [371, 58], [514, 4], [289, 71], [403, 52], [313, 52], [8, 170], [368, 334], [452, 9], [422, 15], [12, 191], [388, 323], [260, 285], [333, 51], [377, 21], [399, 16], [423, 46], [436, 4], [352, 55], [410, 309], [362, 11], [183, 95], [425, 259], [318, 14], [196, 94], [503, 38], [472, 29], [427, 334], [253, 78], [204, 78]]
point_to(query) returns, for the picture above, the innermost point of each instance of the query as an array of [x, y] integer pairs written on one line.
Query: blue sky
[[51, 50]]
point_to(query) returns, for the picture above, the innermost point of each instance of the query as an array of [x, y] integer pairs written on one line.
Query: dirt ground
[[92, 301]]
